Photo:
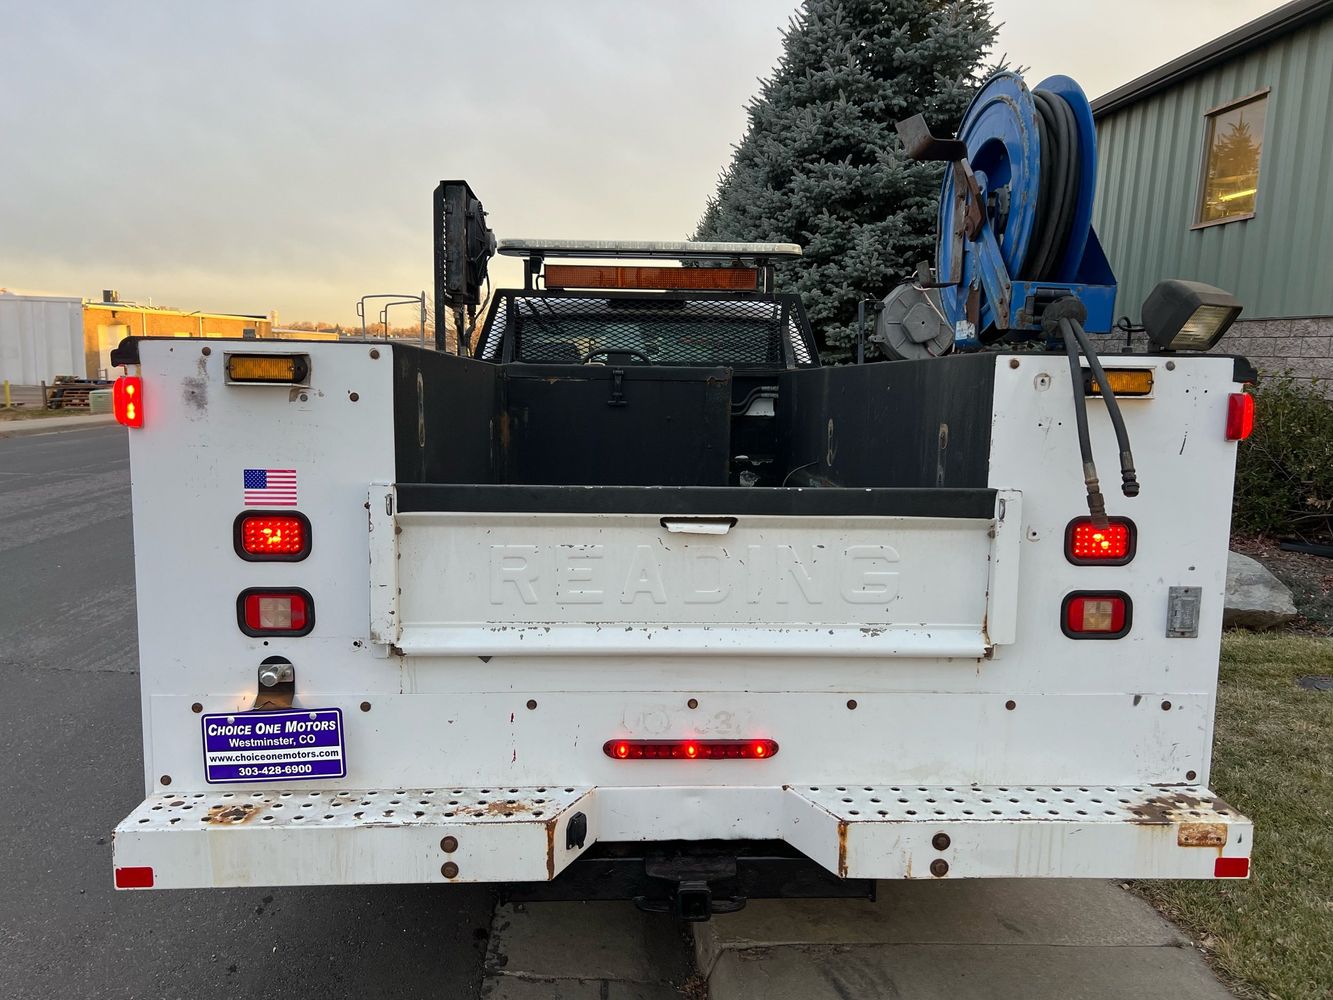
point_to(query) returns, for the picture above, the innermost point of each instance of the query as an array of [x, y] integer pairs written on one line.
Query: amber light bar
[[718, 279], [690, 749]]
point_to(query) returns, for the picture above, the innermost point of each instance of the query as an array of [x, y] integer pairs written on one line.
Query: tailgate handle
[[699, 525]]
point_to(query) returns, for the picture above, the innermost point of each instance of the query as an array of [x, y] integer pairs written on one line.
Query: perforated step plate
[[341, 837], [1032, 831], [303, 837]]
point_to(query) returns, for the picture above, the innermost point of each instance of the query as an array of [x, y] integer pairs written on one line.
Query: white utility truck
[[637, 599]]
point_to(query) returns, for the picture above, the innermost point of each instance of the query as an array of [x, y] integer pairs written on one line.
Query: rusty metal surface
[[1201, 835], [284, 836], [1140, 805], [365, 808]]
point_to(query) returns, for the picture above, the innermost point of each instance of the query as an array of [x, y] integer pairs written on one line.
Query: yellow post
[[7, 402]]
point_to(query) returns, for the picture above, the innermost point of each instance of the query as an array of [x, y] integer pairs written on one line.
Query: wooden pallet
[[69, 393]]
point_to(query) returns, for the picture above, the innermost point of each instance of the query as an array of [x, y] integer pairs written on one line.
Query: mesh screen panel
[[723, 332], [490, 348]]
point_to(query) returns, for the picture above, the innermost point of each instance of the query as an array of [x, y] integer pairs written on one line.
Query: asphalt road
[[71, 766]]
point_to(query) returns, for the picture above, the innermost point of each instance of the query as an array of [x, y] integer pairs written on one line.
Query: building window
[[1233, 139]]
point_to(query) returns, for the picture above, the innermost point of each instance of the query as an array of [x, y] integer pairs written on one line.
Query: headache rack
[[767, 331]]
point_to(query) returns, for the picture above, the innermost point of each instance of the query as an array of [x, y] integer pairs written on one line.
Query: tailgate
[[482, 571]]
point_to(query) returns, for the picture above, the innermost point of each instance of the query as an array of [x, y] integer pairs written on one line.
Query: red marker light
[[127, 400], [1240, 416], [138, 877], [1093, 615], [275, 612], [689, 749], [272, 536], [1231, 868], [1088, 545]]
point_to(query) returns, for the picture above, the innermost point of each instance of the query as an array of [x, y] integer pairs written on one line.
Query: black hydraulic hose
[[1045, 182], [1057, 132], [1096, 503], [1129, 484], [1071, 177]]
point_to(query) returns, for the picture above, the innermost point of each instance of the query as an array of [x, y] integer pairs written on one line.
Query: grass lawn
[[1271, 936]]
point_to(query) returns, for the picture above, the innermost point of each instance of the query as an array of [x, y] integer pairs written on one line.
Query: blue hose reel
[[1015, 215]]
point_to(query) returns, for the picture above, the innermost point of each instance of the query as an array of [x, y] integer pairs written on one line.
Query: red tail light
[[1240, 416], [275, 612], [1231, 868], [689, 749], [1090, 614], [273, 536], [1088, 545], [127, 400]]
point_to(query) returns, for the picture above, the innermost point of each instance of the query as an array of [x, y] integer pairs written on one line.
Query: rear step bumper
[[344, 837]]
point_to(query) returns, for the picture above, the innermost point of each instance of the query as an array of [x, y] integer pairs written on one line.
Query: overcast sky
[[255, 156]]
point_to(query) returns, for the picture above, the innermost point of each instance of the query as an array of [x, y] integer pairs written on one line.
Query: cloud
[[251, 156]]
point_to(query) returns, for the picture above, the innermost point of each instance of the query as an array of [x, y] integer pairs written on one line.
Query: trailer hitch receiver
[[692, 898]]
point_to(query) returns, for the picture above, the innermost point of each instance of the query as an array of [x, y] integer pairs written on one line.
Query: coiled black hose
[[1057, 199], [1057, 189]]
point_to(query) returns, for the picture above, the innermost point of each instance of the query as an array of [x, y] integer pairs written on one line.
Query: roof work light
[[1184, 315]]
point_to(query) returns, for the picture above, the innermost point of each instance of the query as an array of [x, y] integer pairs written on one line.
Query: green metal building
[[1218, 167]]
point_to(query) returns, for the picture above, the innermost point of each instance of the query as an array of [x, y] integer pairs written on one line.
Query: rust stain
[[550, 848], [1173, 807], [233, 815], [499, 807], [1202, 835], [842, 848], [504, 432]]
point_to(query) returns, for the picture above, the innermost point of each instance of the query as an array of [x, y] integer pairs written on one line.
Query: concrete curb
[[946, 940], [51, 425]]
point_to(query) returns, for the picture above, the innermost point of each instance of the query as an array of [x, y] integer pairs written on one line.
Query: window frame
[[1202, 184]]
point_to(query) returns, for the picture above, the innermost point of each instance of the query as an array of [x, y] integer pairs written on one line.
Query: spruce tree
[[821, 163]]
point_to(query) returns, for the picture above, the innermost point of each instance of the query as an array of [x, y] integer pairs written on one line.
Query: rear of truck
[[395, 625]]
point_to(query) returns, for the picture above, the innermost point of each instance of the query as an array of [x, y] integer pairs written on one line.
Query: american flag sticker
[[270, 487]]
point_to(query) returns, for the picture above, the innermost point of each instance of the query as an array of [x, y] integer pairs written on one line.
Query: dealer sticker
[[274, 746]]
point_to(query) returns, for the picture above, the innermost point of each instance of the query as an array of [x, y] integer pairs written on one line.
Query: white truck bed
[[932, 720]]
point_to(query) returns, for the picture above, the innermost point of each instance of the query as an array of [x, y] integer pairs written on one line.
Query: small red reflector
[[282, 536], [689, 749], [1093, 615], [134, 878], [1240, 416], [1086, 544], [275, 612], [127, 400], [1231, 868]]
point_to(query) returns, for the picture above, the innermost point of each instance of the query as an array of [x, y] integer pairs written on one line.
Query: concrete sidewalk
[[585, 951], [46, 425], [957, 940]]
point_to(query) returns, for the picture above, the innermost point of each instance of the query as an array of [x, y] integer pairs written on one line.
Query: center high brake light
[[690, 749], [272, 536], [127, 400], [263, 612], [1088, 545]]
